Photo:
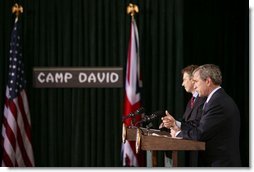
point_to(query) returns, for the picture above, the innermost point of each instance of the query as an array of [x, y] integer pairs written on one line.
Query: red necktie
[[192, 101]]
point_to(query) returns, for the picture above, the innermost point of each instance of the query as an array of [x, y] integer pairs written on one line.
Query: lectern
[[155, 140]]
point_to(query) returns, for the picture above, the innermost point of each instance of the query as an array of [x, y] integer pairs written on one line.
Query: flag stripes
[[16, 121]]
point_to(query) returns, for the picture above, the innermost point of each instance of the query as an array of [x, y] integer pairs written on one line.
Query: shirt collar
[[195, 95], [210, 95]]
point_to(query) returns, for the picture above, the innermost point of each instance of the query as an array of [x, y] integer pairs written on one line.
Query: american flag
[[16, 134], [132, 99]]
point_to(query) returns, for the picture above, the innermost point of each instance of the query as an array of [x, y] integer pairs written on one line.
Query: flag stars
[[16, 79]]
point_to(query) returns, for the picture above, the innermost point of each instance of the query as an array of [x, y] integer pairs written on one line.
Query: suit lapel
[[188, 111]]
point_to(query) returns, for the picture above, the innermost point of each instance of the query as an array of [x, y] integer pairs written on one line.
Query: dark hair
[[189, 69], [210, 71]]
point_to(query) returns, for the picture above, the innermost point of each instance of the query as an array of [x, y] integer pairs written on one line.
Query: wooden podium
[[155, 140]]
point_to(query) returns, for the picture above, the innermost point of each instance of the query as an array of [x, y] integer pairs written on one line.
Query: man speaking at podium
[[193, 111], [219, 125], [194, 107]]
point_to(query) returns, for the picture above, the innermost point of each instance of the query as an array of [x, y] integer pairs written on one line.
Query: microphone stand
[[132, 122]]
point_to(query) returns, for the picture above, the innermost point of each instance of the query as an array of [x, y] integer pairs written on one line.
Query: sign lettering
[[77, 77]]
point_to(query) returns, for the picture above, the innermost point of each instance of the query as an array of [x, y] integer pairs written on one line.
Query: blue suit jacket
[[219, 127]]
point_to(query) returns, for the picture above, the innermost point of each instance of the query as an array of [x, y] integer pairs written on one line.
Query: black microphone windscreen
[[159, 113], [140, 110], [155, 115]]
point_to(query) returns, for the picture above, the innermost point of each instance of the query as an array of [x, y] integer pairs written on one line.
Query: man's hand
[[169, 122], [172, 133]]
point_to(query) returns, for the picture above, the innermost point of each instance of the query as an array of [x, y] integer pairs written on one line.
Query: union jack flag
[[132, 98]]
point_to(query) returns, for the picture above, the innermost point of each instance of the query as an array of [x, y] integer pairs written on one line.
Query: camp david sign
[[58, 77]]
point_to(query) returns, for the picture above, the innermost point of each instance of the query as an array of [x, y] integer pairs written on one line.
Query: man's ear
[[208, 81]]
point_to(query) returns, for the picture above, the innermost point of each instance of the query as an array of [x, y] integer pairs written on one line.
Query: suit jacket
[[219, 127], [192, 116]]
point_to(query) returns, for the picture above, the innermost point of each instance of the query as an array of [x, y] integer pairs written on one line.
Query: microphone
[[155, 115], [133, 114]]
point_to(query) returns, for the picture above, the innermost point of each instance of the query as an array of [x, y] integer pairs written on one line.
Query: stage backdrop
[[82, 126]]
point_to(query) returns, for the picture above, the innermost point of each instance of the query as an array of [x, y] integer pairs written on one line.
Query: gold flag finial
[[17, 9], [132, 9]]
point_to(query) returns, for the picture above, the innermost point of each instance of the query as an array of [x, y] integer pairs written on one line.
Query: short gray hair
[[210, 71]]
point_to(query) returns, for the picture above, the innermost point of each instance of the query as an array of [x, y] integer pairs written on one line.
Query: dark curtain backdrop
[[82, 126]]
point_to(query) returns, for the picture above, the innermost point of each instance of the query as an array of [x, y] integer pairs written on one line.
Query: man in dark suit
[[194, 107], [193, 111], [219, 125]]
